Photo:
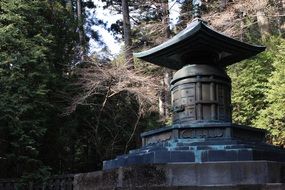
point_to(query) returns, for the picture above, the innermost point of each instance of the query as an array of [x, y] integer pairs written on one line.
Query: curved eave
[[198, 36], [193, 28]]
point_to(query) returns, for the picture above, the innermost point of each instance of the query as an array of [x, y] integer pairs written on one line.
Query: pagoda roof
[[196, 38]]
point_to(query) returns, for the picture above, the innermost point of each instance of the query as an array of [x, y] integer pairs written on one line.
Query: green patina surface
[[197, 44]]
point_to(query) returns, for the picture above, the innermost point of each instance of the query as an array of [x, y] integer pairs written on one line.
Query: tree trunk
[[127, 35], [165, 97], [167, 79], [241, 17], [165, 19], [80, 29], [223, 4], [262, 19], [281, 18], [69, 6]]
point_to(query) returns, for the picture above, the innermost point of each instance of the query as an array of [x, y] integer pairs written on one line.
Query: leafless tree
[[109, 82]]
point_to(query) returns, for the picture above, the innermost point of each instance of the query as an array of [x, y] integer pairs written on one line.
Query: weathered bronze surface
[[199, 44], [209, 131], [201, 93], [201, 89]]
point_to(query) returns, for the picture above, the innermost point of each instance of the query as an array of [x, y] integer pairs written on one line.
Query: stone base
[[198, 144], [203, 130], [245, 175]]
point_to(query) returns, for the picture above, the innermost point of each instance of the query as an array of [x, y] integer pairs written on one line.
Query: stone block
[[182, 156], [162, 157], [223, 155], [148, 158], [133, 159], [236, 175], [244, 155]]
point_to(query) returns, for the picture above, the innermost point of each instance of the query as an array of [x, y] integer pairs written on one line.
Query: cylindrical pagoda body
[[201, 94]]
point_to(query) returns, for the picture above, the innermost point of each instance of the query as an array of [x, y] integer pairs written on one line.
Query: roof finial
[[196, 9]]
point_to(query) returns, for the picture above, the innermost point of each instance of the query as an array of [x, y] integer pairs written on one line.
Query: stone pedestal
[[236, 175], [200, 143], [201, 156]]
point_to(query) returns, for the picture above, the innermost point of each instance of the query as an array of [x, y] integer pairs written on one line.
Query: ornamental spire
[[196, 9]]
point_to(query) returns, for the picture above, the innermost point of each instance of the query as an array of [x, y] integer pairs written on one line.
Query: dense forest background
[[64, 110]]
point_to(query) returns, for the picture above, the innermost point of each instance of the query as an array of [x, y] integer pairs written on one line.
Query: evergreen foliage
[[249, 83], [36, 41], [258, 91], [272, 117]]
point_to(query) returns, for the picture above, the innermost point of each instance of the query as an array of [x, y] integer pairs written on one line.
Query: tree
[[249, 79], [165, 97], [262, 19], [223, 4], [127, 34], [272, 117], [36, 42], [114, 106], [80, 28], [135, 16]]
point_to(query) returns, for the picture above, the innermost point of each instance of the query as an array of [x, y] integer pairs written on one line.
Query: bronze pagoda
[[202, 130]]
